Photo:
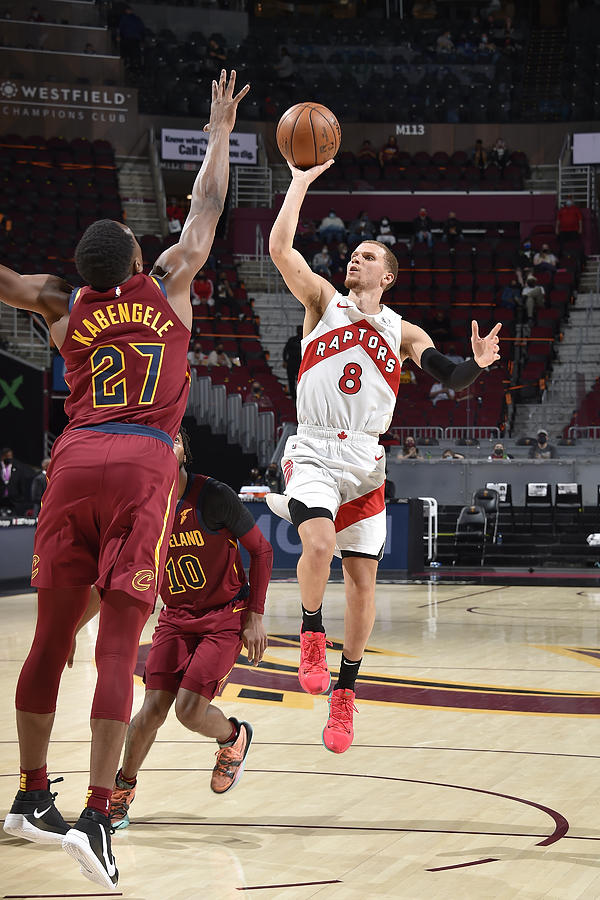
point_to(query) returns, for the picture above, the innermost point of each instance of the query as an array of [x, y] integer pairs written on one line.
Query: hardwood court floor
[[475, 770]]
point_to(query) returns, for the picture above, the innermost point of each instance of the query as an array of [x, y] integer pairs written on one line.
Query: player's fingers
[[474, 330], [222, 82], [241, 94], [230, 84], [495, 330]]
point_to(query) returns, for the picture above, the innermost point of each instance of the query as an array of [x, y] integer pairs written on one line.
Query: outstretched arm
[[417, 345], [309, 288], [178, 265], [47, 295]]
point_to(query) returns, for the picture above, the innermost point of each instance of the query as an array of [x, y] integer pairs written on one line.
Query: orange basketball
[[308, 134]]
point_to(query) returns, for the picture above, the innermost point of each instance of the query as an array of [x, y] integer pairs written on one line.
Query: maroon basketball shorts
[[107, 513], [195, 654]]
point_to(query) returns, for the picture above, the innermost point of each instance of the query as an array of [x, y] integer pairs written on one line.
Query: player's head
[[372, 265], [108, 254], [182, 449]]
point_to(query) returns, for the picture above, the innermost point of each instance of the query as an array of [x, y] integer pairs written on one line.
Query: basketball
[[308, 134]]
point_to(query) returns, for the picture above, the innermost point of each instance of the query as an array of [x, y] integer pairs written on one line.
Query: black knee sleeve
[[300, 512]]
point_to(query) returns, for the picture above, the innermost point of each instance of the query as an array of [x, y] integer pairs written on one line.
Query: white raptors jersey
[[350, 369]]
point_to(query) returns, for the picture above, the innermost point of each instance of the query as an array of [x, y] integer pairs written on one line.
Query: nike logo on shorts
[[239, 608], [38, 815], [377, 458]]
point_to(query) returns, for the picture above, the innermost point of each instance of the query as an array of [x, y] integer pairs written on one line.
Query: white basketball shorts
[[345, 473]]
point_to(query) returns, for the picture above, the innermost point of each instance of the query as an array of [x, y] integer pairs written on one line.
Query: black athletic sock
[[348, 673], [312, 621]]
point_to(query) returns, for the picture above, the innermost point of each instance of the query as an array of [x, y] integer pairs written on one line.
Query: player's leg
[[33, 815], [359, 579], [205, 676], [141, 734], [318, 543], [122, 618]]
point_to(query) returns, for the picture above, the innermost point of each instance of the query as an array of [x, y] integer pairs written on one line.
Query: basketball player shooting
[[334, 468], [112, 484]]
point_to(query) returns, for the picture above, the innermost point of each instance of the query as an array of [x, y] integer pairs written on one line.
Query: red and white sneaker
[[313, 673], [339, 731]]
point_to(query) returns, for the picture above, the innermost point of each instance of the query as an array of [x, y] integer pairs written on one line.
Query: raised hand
[[309, 175], [224, 105], [485, 349]]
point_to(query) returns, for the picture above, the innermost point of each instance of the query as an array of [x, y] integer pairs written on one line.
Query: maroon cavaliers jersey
[[125, 357], [204, 569]]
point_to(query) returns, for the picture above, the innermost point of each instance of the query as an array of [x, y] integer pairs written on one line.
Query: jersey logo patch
[[117, 291], [184, 515], [343, 305], [143, 580]]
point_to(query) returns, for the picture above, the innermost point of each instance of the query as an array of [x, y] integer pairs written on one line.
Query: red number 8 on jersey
[[349, 383]]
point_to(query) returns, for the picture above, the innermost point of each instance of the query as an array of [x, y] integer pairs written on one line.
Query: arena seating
[[52, 190]]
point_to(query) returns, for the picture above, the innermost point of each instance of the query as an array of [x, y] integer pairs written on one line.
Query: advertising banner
[[185, 145]]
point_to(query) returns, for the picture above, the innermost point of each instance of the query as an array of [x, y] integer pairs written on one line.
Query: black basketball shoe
[[88, 841], [34, 816]]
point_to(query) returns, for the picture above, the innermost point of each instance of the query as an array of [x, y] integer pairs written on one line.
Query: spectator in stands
[[410, 449], [218, 357], [544, 260], [453, 356], [202, 289], [386, 235], [533, 295], [499, 453], [422, 226], [478, 155], [35, 15], [13, 498], [511, 295], [451, 454], [38, 486], [89, 49], [332, 228], [321, 262], [407, 376], [487, 48], [444, 43], [452, 230], [216, 52], [340, 257], [524, 262], [285, 67], [256, 394], [131, 36], [360, 229], [499, 153], [292, 357], [175, 215], [367, 152], [195, 356], [439, 327], [569, 222], [438, 392], [542, 449], [274, 479], [255, 477], [389, 153], [224, 296]]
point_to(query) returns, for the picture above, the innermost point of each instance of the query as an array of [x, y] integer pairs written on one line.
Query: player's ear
[[138, 265]]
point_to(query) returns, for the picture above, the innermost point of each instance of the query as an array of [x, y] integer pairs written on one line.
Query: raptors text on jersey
[[350, 370]]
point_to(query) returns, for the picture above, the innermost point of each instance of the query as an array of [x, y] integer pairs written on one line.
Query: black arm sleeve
[[222, 508], [452, 375]]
